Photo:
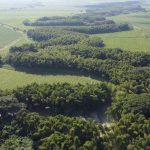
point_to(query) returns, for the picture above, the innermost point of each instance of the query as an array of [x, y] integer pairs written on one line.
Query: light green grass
[[15, 18], [8, 36], [22, 40], [135, 40], [11, 79]]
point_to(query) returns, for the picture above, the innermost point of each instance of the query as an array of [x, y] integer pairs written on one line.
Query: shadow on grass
[[55, 72]]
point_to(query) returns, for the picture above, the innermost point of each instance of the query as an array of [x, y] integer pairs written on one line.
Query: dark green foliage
[[43, 34], [58, 131], [114, 65], [63, 40], [53, 22], [9, 106], [130, 132], [104, 28], [93, 41], [17, 143], [64, 98], [91, 22], [24, 48], [137, 104], [1, 62], [131, 103], [77, 20], [57, 141]]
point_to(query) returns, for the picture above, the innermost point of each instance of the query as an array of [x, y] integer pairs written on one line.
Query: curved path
[[15, 41]]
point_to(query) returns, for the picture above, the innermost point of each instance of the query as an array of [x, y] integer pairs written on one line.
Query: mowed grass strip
[[11, 79], [7, 36]]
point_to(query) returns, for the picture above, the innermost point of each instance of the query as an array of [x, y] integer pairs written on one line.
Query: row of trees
[[113, 9], [104, 28], [64, 98], [48, 33], [92, 47], [130, 70], [89, 47], [77, 20]]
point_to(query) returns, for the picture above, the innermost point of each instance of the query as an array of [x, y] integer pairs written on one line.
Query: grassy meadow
[[16, 79], [8, 36], [15, 18], [135, 40]]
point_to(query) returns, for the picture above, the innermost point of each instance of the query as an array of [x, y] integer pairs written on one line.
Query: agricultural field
[[18, 78], [135, 40], [27, 12], [22, 40], [8, 36]]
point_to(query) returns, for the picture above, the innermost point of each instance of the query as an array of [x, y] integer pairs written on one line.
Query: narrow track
[[15, 41]]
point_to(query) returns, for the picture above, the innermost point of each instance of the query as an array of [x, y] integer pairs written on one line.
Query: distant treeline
[[104, 28], [117, 8], [93, 21]]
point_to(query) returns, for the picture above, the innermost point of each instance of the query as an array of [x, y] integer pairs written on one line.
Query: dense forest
[[57, 116]]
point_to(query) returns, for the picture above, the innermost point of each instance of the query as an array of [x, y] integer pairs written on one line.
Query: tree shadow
[[55, 72]]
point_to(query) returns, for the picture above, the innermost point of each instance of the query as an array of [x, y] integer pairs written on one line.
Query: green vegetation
[[131, 103], [9, 17], [68, 90], [8, 37], [44, 132], [15, 143], [17, 78], [135, 40], [65, 98], [130, 132]]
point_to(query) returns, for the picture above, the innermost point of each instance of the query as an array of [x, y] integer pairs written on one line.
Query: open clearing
[[8, 36], [11, 79], [135, 40]]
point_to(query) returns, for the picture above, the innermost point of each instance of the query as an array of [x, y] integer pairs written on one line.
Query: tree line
[[128, 69]]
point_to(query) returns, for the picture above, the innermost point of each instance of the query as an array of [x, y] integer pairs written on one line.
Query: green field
[[11, 79], [135, 40], [8, 36], [15, 18], [22, 40]]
